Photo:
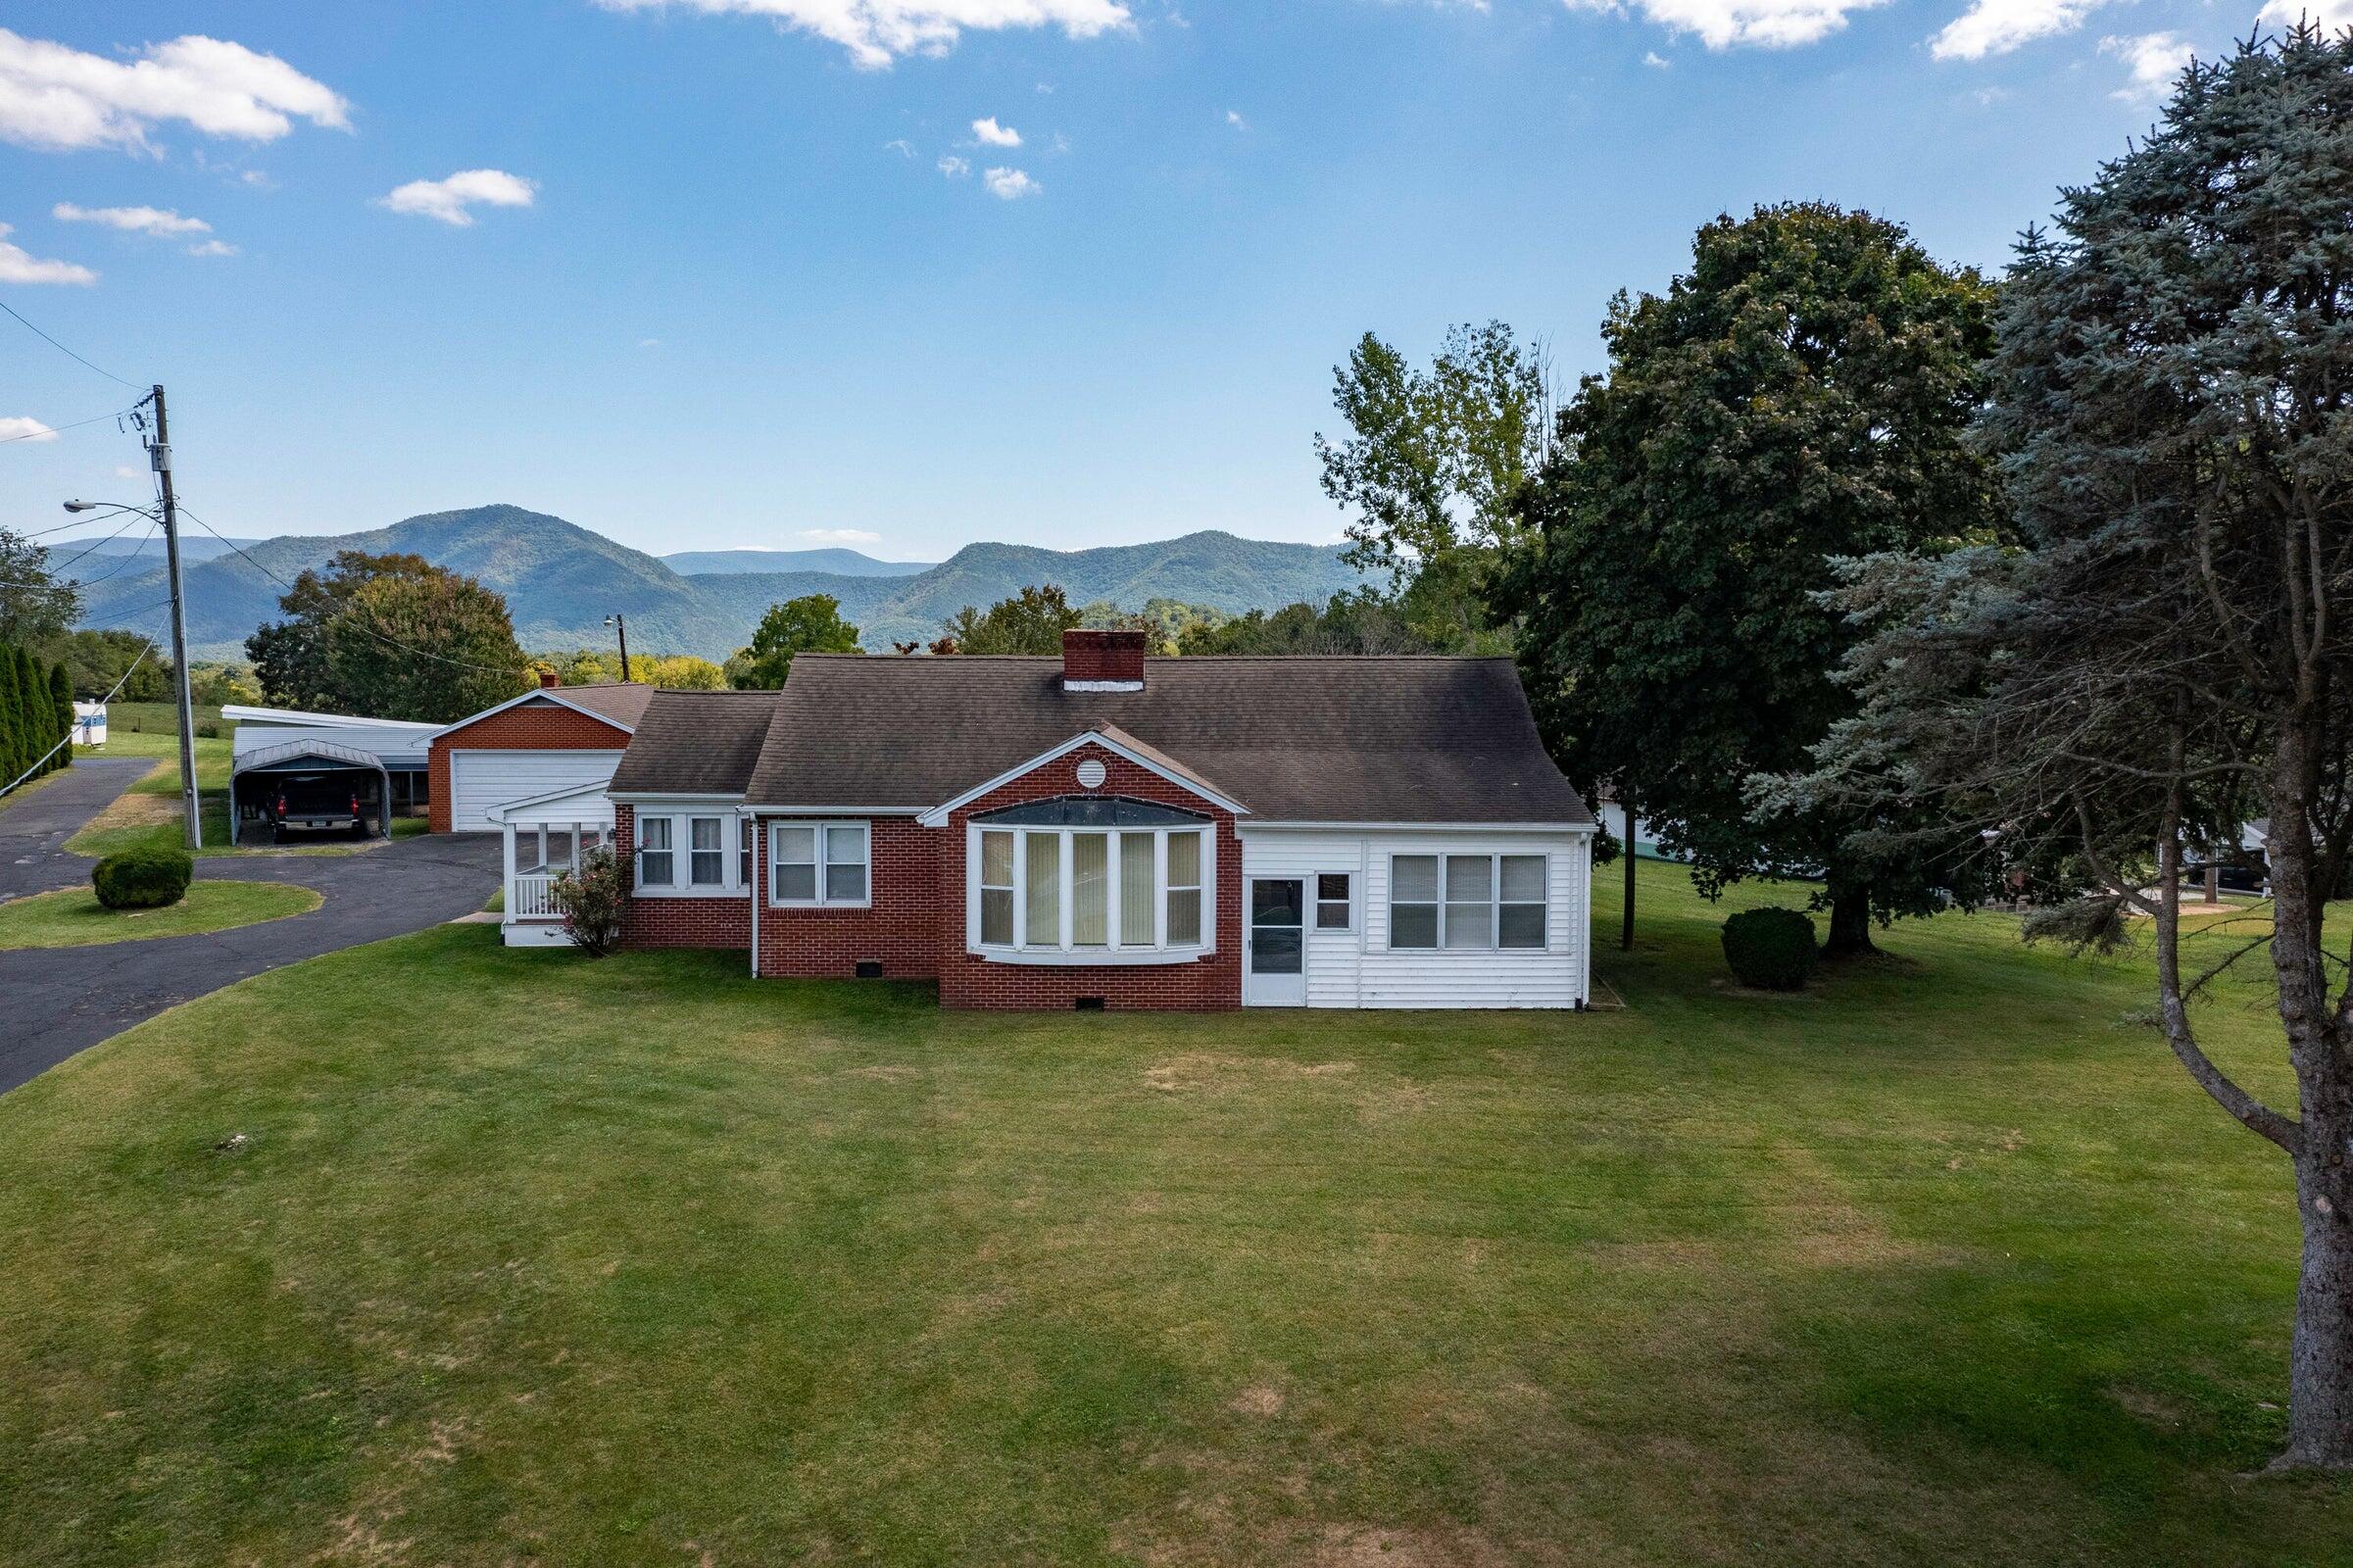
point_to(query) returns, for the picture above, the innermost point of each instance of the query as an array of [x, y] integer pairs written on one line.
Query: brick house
[[558, 737], [1107, 830]]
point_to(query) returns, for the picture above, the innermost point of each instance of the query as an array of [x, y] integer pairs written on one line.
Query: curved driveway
[[63, 1000]]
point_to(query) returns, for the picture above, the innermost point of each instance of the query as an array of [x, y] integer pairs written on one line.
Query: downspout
[[745, 813]]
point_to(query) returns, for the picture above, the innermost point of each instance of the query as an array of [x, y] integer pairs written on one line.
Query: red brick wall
[[531, 728], [1089, 654], [900, 930], [1210, 984], [676, 922]]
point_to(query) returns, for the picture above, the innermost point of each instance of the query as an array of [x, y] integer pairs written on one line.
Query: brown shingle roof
[[695, 743], [1306, 739], [622, 703]]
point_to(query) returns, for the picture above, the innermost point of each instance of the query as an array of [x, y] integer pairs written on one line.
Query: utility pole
[[159, 454], [622, 626]]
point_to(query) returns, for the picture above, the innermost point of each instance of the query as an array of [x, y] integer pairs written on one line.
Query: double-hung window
[[819, 864], [657, 863], [1334, 908], [706, 851], [1121, 878], [1467, 902]]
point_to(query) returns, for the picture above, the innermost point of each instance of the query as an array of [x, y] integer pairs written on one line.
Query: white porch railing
[[527, 897]]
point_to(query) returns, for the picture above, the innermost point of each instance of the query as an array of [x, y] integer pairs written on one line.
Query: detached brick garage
[[556, 738], [1102, 830]]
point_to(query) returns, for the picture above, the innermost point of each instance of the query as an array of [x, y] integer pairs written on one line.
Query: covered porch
[[546, 836]]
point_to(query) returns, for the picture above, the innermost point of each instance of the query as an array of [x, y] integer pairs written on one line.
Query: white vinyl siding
[[1358, 968], [482, 780]]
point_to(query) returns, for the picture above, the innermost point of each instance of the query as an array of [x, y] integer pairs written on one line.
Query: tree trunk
[[1626, 926], [2319, 1384], [1849, 925]]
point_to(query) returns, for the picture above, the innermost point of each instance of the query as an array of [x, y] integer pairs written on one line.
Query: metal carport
[[310, 755]]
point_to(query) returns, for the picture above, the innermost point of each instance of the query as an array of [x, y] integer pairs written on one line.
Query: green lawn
[[148, 813], [527, 1259], [75, 918]]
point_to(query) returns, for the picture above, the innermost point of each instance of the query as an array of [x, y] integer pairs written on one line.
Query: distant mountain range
[[561, 580]]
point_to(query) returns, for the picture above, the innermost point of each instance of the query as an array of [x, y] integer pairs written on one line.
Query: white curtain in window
[[1043, 909], [1090, 890], [1136, 890]]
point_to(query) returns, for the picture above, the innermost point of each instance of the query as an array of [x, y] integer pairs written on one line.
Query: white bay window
[[1089, 880]]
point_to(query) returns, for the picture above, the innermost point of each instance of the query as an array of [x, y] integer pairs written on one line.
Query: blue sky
[[737, 272]]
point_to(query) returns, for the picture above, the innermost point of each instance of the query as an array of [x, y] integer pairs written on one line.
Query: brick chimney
[[549, 680], [1102, 661]]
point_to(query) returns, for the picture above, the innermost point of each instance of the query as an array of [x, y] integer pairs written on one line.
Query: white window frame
[[819, 827], [1059, 947], [682, 885], [1318, 903], [1495, 901]]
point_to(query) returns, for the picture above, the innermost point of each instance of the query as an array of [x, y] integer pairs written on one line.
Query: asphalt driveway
[[63, 1000]]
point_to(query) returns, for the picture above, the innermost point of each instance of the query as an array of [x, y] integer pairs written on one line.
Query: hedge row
[[36, 712]]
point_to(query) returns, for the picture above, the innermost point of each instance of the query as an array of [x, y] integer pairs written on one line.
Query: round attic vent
[[1090, 774]]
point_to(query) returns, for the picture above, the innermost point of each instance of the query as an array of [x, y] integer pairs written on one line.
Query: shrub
[[143, 879], [590, 899], [1771, 949]]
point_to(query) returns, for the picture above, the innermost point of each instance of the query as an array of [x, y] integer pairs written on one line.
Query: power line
[[95, 542], [63, 526], [145, 649], [389, 642], [67, 352], [53, 430]]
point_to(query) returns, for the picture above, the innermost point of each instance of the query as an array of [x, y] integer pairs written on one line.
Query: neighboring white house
[[89, 723]]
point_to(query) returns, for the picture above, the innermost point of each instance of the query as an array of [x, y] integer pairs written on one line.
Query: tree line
[[36, 714]]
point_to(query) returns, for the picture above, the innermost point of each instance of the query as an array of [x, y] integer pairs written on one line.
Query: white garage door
[[480, 780]]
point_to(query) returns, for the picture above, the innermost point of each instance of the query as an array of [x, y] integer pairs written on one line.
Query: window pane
[[1184, 860], [845, 846], [1522, 925], [743, 856], [1090, 890], [996, 860], [997, 917], [1413, 878], [798, 845], [1332, 885], [1523, 879], [846, 884], [1413, 925], [1332, 902], [706, 832], [1470, 925], [794, 884], [654, 869], [1184, 915], [1136, 891], [1331, 917], [1043, 915], [654, 832], [1470, 878]]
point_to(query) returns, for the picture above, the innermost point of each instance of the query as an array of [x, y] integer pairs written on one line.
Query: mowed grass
[[147, 814], [73, 917], [523, 1258]]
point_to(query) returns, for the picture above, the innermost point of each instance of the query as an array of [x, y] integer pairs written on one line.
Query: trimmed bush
[[1771, 949], [143, 879], [591, 901]]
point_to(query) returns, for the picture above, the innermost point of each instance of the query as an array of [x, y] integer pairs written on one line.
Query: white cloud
[[15, 427], [955, 167], [123, 470], [841, 536], [1010, 184], [989, 133], [2329, 16], [16, 267], [903, 147], [213, 247], [2155, 59], [649, 342], [60, 99], [131, 220], [1997, 26], [878, 32], [1235, 120], [1656, 61], [451, 200], [1724, 24]]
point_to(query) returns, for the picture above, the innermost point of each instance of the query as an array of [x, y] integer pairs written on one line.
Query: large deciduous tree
[[290, 655], [1032, 621], [2169, 651], [1804, 393], [809, 624], [433, 646], [35, 605], [1432, 464]]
